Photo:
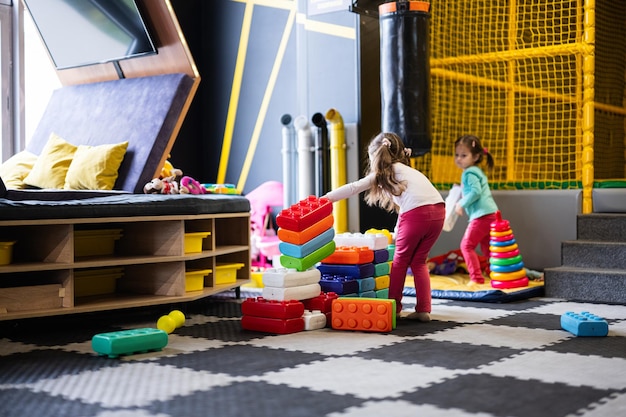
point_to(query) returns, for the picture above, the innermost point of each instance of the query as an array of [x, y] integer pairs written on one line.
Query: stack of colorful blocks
[[360, 257], [306, 233], [281, 309]]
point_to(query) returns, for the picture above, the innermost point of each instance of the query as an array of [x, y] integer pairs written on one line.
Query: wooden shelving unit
[[40, 281]]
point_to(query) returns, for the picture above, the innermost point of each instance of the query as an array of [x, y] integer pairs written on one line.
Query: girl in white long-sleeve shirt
[[393, 185]]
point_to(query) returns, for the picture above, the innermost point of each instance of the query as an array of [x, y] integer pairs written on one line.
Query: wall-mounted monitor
[[85, 32]]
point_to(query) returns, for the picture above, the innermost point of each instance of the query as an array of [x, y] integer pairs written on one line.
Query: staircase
[[593, 267]]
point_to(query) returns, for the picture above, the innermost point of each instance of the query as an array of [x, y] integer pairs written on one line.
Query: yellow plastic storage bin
[[194, 279], [6, 252], [96, 281], [256, 279], [227, 273], [193, 241], [99, 242]]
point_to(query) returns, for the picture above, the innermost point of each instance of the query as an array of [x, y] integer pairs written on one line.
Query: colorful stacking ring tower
[[507, 267]]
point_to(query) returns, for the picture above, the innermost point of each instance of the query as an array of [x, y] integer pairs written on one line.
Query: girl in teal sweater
[[477, 202]]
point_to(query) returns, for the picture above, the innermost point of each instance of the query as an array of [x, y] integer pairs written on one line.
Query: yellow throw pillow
[[51, 166], [95, 167], [16, 168]]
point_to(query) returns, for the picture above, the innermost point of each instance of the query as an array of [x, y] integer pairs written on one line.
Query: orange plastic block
[[304, 213], [349, 255], [300, 238], [364, 314]]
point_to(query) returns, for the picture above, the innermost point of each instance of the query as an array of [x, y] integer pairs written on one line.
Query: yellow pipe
[[337, 136]]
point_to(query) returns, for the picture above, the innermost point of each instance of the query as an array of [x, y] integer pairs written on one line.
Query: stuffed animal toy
[[172, 181], [153, 187], [170, 186], [190, 186]]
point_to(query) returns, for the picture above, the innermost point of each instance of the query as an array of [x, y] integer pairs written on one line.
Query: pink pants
[[477, 233], [416, 233]]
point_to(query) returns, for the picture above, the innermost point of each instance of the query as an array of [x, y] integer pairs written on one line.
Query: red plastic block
[[260, 307], [300, 238], [349, 255], [304, 213], [364, 314], [322, 302], [277, 326]]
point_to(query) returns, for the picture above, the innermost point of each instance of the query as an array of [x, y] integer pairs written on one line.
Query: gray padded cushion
[[126, 205], [143, 111]]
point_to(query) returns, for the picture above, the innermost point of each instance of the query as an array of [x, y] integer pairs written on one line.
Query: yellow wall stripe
[[266, 100], [235, 92]]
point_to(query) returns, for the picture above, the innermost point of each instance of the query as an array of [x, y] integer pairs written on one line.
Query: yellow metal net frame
[[532, 80]]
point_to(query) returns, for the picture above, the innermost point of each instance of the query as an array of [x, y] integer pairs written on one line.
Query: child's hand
[[459, 210]]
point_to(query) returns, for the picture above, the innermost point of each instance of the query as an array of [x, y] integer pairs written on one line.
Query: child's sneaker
[[477, 280], [423, 317]]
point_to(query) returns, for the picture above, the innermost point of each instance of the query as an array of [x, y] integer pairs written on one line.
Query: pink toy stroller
[[264, 242]]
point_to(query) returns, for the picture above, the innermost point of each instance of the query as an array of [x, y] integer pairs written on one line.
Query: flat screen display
[[85, 32]]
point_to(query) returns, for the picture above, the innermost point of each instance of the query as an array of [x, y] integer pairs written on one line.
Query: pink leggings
[[476, 234], [416, 233]]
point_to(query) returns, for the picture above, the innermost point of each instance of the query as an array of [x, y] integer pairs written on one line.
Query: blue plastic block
[[127, 342], [355, 271], [366, 284], [381, 255], [584, 324], [339, 284], [300, 251]]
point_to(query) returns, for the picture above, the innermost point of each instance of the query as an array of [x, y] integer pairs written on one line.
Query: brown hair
[[472, 143], [384, 150]]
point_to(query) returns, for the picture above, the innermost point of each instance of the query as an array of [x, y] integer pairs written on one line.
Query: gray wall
[[540, 221]]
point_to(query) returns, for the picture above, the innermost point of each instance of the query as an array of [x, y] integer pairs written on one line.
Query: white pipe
[[289, 161], [306, 160]]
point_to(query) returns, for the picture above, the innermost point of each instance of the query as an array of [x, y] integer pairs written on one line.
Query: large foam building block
[[301, 292], [364, 314], [356, 271], [584, 324], [273, 309], [128, 342], [372, 241], [302, 264], [350, 255], [322, 302], [269, 325], [304, 213], [300, 251], [300, 238], [340, 285], [290, 277], [314, 320]]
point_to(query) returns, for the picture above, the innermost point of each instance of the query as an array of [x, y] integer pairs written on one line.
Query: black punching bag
[[405, 72]]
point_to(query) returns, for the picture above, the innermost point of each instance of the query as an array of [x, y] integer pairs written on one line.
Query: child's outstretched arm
[[353, 188]]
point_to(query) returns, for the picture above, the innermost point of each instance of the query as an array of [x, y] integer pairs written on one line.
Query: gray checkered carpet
[[473, 359]]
